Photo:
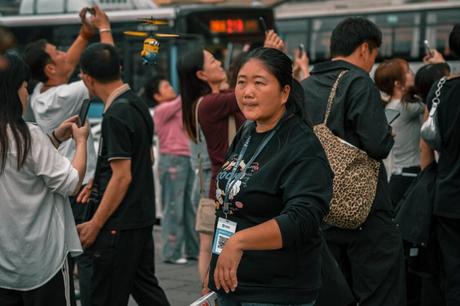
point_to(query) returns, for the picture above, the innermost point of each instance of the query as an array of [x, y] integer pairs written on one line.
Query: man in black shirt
[[119, 234], [370, 256]]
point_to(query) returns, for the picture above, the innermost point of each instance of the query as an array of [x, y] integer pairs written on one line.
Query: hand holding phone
[[263, 24], [301, 48], [83, 112], [428, 49]]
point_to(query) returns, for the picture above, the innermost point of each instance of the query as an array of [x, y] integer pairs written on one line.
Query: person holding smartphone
[[395, 78], [54, 99], [37, 230]]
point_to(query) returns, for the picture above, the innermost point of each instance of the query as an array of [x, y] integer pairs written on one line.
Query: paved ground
[[180, 282]]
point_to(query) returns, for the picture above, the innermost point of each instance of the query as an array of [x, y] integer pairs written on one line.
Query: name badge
[[225, 229]]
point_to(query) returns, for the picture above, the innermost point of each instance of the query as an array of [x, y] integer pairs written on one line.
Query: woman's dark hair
[[350, 33], [280, 66], [427, 75], [191, 87], [12, 76], [454, 39]]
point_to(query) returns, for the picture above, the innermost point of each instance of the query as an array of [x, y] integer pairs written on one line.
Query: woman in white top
[[37, 230], [395, 79]]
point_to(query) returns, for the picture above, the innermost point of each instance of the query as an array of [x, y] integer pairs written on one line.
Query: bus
[[404, 27], [217, 28]]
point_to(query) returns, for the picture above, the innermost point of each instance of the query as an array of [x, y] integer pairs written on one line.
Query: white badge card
[[225, 229]]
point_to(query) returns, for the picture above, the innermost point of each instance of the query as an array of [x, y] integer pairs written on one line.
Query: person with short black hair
[[54, 99], [176, 174], [119, 232], [372, 255], [151, 87]]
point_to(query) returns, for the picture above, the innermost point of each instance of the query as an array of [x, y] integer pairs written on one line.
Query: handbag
[[355, 174], [430, 128], [206, 213]]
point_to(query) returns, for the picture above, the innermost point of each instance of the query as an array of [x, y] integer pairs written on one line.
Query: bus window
[[321, 37], [293, 32], [400, 34], [439, 25]]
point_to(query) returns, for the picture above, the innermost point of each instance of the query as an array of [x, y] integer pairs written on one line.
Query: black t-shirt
[[127, 130], [357, 115], [447, 195], [290, 182]]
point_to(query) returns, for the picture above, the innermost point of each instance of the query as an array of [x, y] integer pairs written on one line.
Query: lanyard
[[236, 177]]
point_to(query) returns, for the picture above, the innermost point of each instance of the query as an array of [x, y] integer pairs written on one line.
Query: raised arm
[[102, 23]]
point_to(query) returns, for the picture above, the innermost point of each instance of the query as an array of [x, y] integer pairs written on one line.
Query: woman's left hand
[[227, 265], [64, 130]]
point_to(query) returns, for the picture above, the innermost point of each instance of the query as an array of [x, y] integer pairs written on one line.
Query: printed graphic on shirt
[[225, 174]]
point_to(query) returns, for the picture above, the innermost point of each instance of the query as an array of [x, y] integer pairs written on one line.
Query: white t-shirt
[[37, 229], [57, 104]]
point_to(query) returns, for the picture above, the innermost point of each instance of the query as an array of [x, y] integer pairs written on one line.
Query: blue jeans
[[178, 223], [226, 301]]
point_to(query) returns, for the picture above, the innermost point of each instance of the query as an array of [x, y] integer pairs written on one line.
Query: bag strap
[[200, 146], [436, 100], [330, 101], [231, 129]]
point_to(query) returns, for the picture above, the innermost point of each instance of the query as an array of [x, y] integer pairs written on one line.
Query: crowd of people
[[246, 179]]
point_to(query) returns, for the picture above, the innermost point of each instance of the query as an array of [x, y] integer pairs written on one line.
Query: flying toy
[[151, 45]]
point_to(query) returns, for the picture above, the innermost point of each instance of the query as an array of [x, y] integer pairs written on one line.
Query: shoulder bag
[[430, 128], [205, 215], [355, 174]]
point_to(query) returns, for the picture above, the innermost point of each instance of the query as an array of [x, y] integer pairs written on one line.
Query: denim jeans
[[225, 301], [178, 224]]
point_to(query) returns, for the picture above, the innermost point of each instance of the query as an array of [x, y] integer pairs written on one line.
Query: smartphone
[[263, 24], [206, 300], [391, 115], [301, 48], [428, 49], [83, 112]]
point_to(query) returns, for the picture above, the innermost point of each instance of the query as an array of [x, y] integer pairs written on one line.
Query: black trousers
[[53, 293], [448, 234], [123, 264], [372, 260], [399, 183]]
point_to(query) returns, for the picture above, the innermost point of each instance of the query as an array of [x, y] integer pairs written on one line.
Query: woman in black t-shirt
[[273, 192]]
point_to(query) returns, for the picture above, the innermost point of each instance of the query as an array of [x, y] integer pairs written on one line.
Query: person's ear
[[156, 97], [364, 50], [285, 91], [397, 84], [50, 69], [200, 74]]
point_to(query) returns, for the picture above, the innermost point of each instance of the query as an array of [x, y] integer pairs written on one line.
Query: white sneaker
[[180, 261]]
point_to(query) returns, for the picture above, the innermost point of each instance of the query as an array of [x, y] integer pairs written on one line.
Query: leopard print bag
[[355, 175]]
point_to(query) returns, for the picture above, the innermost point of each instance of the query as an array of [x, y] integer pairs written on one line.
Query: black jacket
[[290, 182], [357, 114]]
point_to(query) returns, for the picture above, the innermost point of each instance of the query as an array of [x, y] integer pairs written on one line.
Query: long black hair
[[280, 65], [12, 76], [191, 87]]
